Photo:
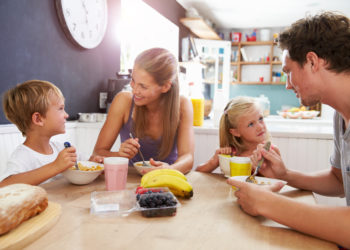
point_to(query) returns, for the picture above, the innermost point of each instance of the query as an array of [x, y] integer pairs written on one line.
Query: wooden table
[[211, 219]]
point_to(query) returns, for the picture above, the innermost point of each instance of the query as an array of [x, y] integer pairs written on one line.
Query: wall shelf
[[200, 28], [240, 62]]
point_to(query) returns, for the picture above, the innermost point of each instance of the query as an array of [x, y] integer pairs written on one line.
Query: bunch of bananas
[[171, 178]]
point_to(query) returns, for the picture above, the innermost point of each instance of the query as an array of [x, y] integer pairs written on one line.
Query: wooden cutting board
[[31, 229]]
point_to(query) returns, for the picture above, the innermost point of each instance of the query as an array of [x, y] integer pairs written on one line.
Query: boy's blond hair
[[234, 109], [22, 101]]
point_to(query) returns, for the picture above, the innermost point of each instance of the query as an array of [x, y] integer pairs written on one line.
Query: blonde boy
[[37, 109]]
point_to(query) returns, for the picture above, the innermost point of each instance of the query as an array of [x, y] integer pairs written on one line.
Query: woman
[[154, 113]]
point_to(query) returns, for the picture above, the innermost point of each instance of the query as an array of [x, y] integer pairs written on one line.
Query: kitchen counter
[[211, 219], [278, 126]]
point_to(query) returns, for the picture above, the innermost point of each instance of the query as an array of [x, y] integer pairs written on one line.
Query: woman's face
[[144, 88], [251, 127]]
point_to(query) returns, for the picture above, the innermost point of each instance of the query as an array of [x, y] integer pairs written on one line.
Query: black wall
[[33, 46]]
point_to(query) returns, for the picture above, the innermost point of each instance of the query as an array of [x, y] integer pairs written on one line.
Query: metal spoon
[[143, 159], [67, 145], [251, 178]]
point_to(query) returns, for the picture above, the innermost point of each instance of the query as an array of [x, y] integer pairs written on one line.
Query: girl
[[242, 129], [155, 115]]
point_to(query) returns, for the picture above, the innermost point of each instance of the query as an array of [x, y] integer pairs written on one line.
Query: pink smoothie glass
[[116, 172]]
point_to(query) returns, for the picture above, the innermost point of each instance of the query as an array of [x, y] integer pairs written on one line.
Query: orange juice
[[198, 111]]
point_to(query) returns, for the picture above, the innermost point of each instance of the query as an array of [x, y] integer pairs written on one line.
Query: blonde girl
[[242, 129]]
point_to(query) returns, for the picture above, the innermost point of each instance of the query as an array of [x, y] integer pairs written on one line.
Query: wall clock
[[84, 22]]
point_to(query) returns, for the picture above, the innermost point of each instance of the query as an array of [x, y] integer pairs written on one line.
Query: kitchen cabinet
[[200, 28], [241, 59]]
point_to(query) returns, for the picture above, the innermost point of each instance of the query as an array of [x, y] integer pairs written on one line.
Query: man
[[316, 60]]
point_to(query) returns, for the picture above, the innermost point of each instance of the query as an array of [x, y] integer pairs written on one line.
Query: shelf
[[200, 28], [257, 43], [255, 63], [240, 63], [259, 83]]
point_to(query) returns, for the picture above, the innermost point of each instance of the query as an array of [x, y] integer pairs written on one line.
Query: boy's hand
[[65, 159]]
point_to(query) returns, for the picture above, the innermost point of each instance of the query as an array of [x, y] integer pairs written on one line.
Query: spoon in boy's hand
[[251, 178], [143, 159], [67, 145]]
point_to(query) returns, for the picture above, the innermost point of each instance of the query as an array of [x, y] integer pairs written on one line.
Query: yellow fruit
[[162, 171], [178, 186]]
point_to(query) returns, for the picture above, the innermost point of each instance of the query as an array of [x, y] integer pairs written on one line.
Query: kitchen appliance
[[115, 85]]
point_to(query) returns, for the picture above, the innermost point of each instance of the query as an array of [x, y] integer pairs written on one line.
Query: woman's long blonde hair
[[162, 66], [234, 109]]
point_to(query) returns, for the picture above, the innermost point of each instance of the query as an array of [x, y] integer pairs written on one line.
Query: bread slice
[[18, 203]]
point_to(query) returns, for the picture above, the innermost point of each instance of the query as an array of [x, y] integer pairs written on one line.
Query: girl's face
[[251, 127], [55, 117], [144, 89]]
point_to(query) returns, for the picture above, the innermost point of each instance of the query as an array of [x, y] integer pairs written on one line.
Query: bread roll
[[18, 203]]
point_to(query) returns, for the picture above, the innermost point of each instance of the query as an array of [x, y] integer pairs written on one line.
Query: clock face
[[84, 21]]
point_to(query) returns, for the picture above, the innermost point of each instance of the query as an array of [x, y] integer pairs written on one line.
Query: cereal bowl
[[141, 168], [224, 162], [87, 173]]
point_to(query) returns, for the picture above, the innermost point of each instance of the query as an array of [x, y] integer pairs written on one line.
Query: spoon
[[143, 159], [251, 178], [67, 145]]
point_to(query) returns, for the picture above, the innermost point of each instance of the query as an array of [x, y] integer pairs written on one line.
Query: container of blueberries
[[151, 202], [155, 202]]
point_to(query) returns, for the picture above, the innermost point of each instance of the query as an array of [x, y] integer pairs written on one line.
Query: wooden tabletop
[[211, 219]]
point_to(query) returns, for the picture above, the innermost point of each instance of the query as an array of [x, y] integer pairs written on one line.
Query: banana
[[178, 186], [162, 171]]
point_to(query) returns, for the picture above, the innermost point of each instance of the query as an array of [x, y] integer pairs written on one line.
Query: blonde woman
[[242, 129], [154, 113]]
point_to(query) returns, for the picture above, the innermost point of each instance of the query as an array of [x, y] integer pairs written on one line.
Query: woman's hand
[[273, 166], [129, 148], [96, 158], [155, 164]]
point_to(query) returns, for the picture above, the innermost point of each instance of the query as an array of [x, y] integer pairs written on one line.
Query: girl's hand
[[273, 166], [65, 159], [129, 148]]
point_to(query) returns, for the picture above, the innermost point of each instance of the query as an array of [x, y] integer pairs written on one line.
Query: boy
[[37, 109]]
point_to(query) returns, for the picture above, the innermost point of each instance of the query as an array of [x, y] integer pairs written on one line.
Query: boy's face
[[55, 117]]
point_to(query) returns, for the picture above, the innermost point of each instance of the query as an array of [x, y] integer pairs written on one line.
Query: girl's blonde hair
[[234, 109], [22, 101], [162, 66]]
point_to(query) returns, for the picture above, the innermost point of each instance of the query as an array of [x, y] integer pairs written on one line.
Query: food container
[[88, 172], [87, 117], [124, 202], [224, 163], [144, 169]]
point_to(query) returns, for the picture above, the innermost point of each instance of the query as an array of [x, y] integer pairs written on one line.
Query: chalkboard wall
[[33, 46]]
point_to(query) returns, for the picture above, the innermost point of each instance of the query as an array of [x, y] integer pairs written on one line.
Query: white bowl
[[141, 168], [82, 177], [224, 162]]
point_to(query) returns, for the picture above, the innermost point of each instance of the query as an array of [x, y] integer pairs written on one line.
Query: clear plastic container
[[124, 202]]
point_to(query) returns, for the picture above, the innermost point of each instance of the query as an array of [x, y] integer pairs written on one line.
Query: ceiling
[[228, 14]]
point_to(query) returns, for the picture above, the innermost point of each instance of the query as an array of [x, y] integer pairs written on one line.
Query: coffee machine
[[115, 85]]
